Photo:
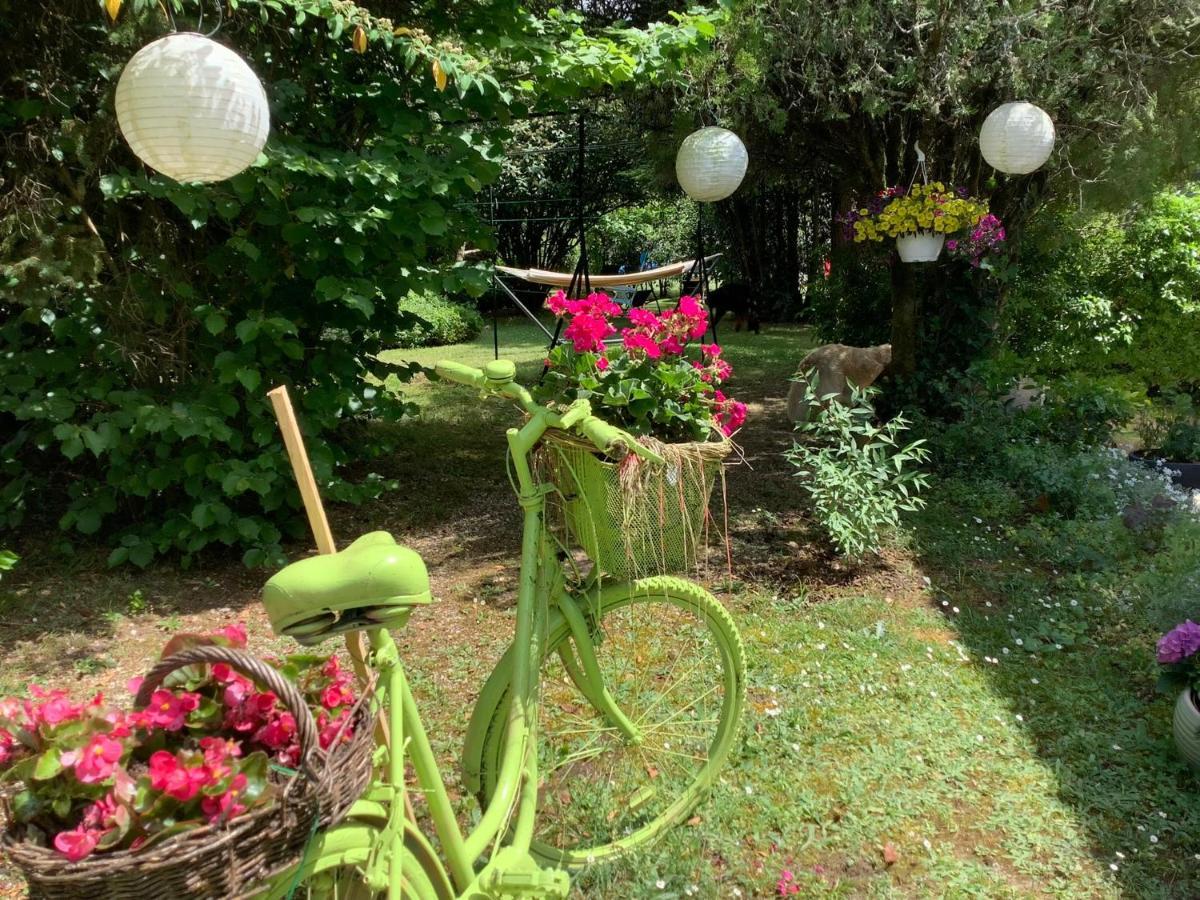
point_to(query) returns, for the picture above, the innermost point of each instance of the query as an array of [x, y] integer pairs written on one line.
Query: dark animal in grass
[[736, 299], [837, 366]]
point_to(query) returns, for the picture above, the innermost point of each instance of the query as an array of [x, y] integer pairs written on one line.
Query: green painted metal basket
[[632, 518]]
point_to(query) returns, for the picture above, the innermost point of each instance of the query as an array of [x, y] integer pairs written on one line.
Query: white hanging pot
[[924, 246], [192, 109]]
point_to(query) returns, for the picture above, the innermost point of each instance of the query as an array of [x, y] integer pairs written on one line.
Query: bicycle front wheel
[[672, 659]]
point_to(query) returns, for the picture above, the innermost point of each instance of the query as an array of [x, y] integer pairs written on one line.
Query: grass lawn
[[972, 714]]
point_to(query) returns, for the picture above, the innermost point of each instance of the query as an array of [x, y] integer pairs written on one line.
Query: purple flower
[[952, 245], [1179, 643]]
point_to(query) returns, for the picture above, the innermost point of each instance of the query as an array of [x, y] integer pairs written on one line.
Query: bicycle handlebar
[[498, 380]]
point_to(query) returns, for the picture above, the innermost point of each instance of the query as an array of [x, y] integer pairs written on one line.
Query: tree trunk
[[906, 301]]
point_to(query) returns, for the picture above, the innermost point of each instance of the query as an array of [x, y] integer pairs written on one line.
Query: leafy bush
[[142, 321], [439, 321], [857, 474], [1107, 292]]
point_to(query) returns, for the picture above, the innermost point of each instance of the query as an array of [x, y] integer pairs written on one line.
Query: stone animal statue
[[837, 366]]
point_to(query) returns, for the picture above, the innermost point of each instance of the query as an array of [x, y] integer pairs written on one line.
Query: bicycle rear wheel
[[672, 658]]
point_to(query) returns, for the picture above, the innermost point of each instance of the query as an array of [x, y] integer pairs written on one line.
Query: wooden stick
[[302, 469]]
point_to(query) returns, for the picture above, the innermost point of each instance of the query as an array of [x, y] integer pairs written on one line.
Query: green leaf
[[215, 323], [48, 765], [247, 330], [250, 378]]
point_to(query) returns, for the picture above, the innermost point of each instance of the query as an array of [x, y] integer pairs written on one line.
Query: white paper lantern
[[711, 163], [1016, 138], [192, 109]]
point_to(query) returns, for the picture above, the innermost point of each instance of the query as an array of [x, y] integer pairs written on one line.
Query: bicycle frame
[[516, 791]]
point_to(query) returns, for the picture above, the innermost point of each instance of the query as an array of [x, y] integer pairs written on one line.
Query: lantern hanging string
[[167, 4]]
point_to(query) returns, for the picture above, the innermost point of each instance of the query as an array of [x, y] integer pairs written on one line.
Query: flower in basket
[[1179, 656], [921, 208], [658, 381], [89, 777]]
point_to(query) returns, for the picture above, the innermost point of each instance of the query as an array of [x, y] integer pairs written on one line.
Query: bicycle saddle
[[373, 583]]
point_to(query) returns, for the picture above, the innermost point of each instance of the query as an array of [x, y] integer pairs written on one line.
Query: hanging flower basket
[[924, 218], [634, 519], [923, 246]]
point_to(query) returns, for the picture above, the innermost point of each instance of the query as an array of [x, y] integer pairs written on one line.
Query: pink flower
[[690, 318], [587, 332], [600, 304], [710, 351], [235, 634], [602, 364], [78, 844], [330, 726], [638, 343], [278, 733], [102, 814], [227, 805], [728, 414], [672, 345], [643, 318], [96, 761], [217, 751], [787, 884], [54, 709], [173, 778], [557, 302], [951, 245], [336, 695], [169, 711]]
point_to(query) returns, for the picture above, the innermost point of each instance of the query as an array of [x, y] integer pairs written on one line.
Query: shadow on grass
[[1075, 660]]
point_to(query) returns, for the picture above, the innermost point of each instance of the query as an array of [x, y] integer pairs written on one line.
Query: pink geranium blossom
[[587, 332], [173, 778], [643, 318], [77, 844], [96, 760], [557, 302], [169, 711], [228, 804], [639, 344], [54, 708], [235, 634]]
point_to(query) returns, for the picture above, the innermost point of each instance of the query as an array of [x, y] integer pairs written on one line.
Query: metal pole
[[581, 278]]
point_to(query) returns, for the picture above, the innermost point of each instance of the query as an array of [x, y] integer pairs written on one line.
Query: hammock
[[563, 279]]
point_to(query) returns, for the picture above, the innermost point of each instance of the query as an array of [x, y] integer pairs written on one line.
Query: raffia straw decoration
[[653, 519]]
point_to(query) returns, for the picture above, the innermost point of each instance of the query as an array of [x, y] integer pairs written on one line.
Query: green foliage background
[[142, 321], [1111, 293]]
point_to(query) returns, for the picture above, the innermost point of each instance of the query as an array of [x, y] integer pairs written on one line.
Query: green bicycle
[[601, 727]]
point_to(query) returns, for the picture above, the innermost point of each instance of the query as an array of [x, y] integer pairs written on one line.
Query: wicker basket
[[344, 771], [224, 860], [633, 519]]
